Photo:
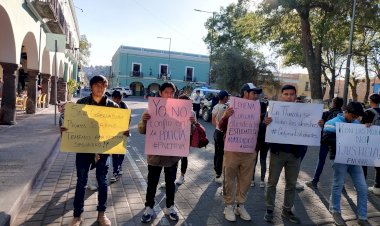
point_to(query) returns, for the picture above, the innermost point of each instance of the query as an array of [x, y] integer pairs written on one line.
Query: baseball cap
[[250, 87], [222, 94]]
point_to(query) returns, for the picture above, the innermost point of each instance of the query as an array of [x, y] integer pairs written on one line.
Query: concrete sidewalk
[[24, 151]]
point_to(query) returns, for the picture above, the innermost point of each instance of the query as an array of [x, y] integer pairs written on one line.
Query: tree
[[84, 50]]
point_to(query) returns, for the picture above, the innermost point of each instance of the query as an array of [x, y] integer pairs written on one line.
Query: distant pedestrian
[[155, 165], [237, 166], [217, 113], [197, 102], [84, 161], [117, 159], [372, 117], [353, 111], [335, 109], [287, 156]]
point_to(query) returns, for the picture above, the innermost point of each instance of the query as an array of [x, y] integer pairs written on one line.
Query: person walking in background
[[197, 103], [353, 111], [117, 159], [84, 161], [335, 109], [217, 113], [155, 165], [372, 117], [237, 166]]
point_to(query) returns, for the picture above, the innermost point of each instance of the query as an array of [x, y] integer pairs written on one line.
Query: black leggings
[[183, 165]]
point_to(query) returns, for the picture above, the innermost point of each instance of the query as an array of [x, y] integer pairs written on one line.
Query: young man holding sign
[[240, 124], [157, 162], [353, 111]]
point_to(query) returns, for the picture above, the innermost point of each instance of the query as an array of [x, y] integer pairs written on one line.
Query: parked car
[[125, 91], [208, 101]]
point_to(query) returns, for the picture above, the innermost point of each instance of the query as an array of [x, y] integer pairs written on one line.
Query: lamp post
[[212, 41], [170, 43]]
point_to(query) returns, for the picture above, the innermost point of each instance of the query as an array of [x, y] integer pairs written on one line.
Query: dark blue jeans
[[117, 160], [323, 152], [154, 173], [83, 162]]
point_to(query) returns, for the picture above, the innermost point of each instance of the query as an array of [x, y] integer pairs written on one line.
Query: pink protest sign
[[168, 129], [243, 126]]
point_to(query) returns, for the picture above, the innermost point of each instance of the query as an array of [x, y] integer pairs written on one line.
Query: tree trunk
[[312, 58], [367, 79]]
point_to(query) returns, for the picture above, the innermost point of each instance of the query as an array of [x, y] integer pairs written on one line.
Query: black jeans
[[377, 175], [83, 162], [196, 108], [184, 163], [219, 152], [154, 173], [117, 161], [263, 148]]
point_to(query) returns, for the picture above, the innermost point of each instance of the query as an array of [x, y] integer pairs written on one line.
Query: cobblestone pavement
[[198, 200]]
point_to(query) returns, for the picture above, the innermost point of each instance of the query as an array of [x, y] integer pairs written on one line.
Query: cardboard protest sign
[[294, 123], [243, 125], [168, 129], [357, 144], [94, 129]]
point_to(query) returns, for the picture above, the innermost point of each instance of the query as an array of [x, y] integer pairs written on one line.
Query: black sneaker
[[268, 217], [362, 222], [148, 215], [114, 178], [312, 184], [288, 214], [338, 219]]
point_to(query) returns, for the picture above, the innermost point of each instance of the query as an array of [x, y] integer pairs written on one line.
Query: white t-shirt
[[218, 111]]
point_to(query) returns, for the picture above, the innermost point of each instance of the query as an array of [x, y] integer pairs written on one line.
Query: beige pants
[[238, 172]]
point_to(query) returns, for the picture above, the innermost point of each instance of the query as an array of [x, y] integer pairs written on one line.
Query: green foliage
[[84, 49], [72, 86]]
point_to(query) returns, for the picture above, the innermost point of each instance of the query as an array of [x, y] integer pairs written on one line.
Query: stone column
[[31, 103], [52, 90], [62, 90], [45, 88], [8, 101]]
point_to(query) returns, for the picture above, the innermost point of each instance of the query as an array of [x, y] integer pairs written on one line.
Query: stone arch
[[60, 69], [137, 88], [7, 39], [45, 62], [29, 51], [153, 87]]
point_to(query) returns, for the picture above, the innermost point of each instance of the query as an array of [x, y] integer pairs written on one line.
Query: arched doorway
[[137, 88]]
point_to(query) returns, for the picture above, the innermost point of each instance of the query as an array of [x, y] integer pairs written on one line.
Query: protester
[[285, 156], [335, 109], [340, 170], [84, 161], [372, 117], [217, 113], [262, 147], [155, 165], [237, 166], [117, 159], [197, 102]]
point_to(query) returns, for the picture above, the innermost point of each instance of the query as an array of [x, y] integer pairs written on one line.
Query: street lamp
[[212, 40], [170, 43]]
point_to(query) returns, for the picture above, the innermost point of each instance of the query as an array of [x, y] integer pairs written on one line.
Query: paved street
[[198, 200]]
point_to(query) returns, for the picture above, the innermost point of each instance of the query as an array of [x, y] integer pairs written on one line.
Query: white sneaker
[[242, 212], [299, 186], [171, 213], [374, 190], [180, 180], [219, 180], [253, 183], [163, 185], [262, 184], [229, 213], [92, 187]]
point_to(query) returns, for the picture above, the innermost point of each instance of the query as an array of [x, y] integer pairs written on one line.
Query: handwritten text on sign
[[243, 125], [168, 129], [94, 129], [294, 123], [357, 145]]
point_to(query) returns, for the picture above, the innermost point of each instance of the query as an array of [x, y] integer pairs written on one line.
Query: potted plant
[[72, 87]]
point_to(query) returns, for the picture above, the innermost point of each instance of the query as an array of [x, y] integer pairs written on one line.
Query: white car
[[125, 91]]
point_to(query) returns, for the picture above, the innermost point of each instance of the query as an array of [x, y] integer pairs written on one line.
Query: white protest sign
[[168, 129], [294, 123], [357, 144], [243, 125]]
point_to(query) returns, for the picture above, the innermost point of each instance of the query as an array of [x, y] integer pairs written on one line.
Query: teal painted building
[[143, 70]]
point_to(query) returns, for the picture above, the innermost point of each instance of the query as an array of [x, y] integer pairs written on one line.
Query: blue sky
[[109, 24]]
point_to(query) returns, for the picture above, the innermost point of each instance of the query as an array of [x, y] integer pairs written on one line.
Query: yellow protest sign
[[94, 129]]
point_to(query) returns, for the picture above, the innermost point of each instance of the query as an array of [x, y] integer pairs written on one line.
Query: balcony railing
[[136, 74], [51, 10]]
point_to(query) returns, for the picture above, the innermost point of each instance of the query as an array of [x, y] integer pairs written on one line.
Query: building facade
[[143, 70], [39, 47]]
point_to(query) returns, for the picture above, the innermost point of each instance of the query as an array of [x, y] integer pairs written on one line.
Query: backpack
[[376, 119], [198, 138]]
